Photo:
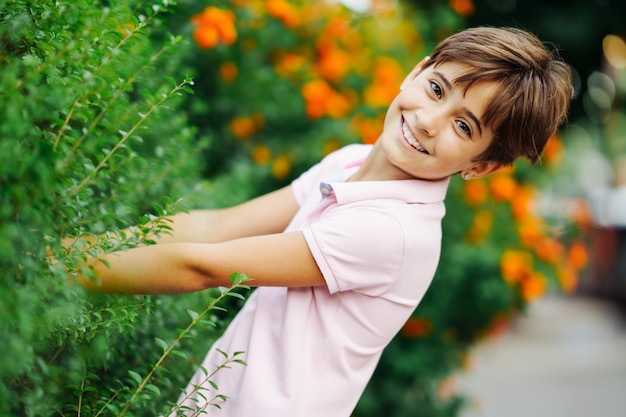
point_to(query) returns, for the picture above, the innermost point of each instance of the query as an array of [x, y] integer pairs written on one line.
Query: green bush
[[91, 140]]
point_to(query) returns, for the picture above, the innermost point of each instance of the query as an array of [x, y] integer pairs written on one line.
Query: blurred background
[[566, 357]]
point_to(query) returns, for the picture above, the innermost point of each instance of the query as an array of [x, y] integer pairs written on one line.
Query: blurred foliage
[[95, 133], [576, 27]]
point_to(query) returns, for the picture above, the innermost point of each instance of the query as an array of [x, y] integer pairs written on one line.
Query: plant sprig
[[238, 282]]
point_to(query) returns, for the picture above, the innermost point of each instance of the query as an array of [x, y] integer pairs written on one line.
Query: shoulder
[[347, 155], [367, 244], [338, 159]]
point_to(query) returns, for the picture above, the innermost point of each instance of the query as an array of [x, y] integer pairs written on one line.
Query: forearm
[[278, 260], [267, 214], [155, 269]]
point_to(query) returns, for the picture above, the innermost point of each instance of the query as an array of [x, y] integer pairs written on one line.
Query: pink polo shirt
[[311, 351]]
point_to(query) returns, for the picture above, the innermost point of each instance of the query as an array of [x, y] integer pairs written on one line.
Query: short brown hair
[[535, 87]]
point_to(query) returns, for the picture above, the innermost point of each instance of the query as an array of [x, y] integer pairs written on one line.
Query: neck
[[375, 167]]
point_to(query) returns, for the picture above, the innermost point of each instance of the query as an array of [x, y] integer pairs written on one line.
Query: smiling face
[[434, 128]]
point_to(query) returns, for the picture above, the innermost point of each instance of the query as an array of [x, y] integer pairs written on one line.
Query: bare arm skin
[[267, 214], [207, 246]]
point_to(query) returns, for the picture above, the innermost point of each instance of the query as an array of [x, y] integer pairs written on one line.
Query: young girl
[[344, 254]]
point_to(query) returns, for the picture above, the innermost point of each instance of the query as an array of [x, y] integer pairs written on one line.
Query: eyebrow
[[469, 114]]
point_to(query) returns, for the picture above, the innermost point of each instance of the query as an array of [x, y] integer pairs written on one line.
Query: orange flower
[[553, 150], [228, 72], [568, 279], [530, 230], [416, 327], [333, 63], [322, 100], [315, 94], [261, 154], [243, 127], [337, 106], [338, 27], [281, 167], [482, 224], [549, 250], [387, 77], [289, 64], [475, 192], [376, 96], [533, 286], [515, 265], [577, 255], [214, 25], [284, 11], [207, 37], [503, 187], [368, 129], [463, 7], [522, 202]]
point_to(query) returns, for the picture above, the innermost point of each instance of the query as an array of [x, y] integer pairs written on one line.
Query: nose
[[429, 121]]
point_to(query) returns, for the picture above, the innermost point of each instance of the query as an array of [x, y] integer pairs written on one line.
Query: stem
[[109, 401], [65, 123], [59, 350], [80, 397], [227, 362], [126, 135], [167, 352], [106, 107], [105, 59]]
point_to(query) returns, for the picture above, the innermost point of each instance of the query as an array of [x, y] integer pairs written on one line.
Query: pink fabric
[[311, 351]]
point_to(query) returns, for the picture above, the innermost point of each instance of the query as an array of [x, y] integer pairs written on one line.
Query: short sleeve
[[357, 247]]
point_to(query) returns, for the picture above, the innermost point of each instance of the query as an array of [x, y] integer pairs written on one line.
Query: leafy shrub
[[91, 140]]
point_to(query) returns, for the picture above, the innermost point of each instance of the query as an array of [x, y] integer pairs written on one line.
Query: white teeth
[[408, 135]]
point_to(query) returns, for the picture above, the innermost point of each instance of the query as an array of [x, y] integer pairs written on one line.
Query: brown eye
[[436, 89], [464, 127]]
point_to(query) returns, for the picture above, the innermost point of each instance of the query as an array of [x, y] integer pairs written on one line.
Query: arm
[[282, 259], [206, 247], [270, 213]]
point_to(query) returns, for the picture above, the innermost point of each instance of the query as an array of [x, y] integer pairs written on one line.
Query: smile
[[411, 140]]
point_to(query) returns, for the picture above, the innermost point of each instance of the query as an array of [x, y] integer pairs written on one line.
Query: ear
[[481, 169], [414, 73]]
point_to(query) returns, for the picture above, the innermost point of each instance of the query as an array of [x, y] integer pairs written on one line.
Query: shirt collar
[[408, 191]]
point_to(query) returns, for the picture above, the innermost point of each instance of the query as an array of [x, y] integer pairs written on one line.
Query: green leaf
[[135, 376], [194, 315], [180, 353], [164, 345], [236, 295], [154, 389]]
